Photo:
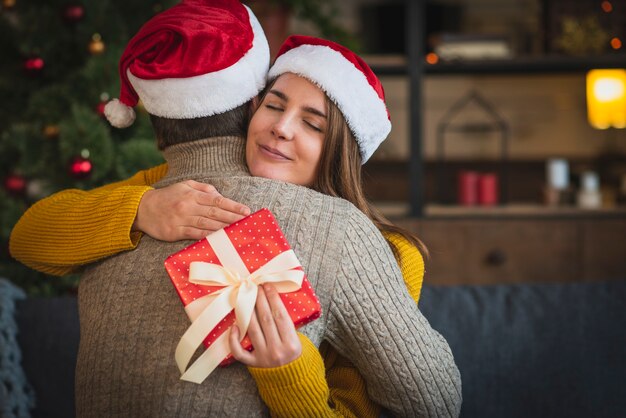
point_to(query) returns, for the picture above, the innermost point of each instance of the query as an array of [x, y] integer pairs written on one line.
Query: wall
[[546, 113]]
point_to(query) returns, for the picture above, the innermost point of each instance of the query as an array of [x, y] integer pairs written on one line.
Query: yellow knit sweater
[[72, 228]]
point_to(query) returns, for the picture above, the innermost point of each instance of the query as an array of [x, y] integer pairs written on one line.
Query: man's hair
[[177, 131]]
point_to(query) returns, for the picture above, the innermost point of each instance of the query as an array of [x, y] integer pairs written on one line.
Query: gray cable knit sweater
[[131, 317]]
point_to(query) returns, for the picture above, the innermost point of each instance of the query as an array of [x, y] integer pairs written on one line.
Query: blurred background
[[508, 149]]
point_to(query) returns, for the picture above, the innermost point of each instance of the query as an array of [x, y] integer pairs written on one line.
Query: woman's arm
[[287, 367], [74, 227], [410, 261]]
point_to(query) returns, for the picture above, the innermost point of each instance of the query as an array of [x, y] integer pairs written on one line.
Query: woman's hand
[[187, 210], [271, 331]]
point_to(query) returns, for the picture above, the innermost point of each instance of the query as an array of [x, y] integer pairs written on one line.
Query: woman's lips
[[273, 153]]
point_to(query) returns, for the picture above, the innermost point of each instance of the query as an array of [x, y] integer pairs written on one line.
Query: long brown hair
[[339, 174]]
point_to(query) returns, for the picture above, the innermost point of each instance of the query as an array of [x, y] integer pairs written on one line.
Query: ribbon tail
[[244, 306], [200, 328], [208, 361]]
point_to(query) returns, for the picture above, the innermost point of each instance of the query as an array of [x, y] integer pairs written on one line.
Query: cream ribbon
[[239, 292]]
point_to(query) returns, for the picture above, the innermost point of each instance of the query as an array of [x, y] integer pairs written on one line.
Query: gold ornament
[[8, 4], [51, 131], [96, 46]]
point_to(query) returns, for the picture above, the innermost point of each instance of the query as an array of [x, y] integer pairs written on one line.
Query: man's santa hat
[[198, 58], [346, 79]]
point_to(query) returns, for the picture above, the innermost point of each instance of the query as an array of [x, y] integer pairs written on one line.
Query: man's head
[[197, 59], [170, 132]]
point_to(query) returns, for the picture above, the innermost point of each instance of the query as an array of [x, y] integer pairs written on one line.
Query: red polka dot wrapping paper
[[257, 239]]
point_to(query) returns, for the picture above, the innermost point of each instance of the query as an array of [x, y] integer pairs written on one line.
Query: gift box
[[255, 245]]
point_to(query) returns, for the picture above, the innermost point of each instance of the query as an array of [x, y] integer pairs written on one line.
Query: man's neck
[[213, 157]]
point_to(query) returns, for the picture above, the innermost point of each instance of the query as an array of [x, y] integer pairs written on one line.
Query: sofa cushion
[[535, 350]]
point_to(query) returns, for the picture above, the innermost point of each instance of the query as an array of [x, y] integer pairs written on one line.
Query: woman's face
[[287, 132]]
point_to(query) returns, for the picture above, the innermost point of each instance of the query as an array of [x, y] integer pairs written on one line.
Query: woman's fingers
[[266, 319], [272, 347], [238, 352], [282, 321], [208, 224], [186, 210], [209, 196]]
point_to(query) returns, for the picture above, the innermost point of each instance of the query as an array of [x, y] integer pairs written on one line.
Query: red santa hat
[[198, 58], [346, 79]]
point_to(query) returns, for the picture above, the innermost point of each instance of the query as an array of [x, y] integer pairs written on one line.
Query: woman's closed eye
[[275, 107], [314, 126]]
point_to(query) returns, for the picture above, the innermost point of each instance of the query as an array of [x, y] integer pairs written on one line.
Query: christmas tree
[[58, 69]]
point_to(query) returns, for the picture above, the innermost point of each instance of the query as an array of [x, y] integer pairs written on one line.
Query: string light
[[432, 58], [607, 6], [616, 43]]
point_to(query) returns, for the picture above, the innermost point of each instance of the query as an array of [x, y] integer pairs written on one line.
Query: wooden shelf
[[521, 211], [400, 210], [397, 65], [528, 65]]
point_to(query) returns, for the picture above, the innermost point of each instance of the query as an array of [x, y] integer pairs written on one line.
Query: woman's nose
[[283, 128]]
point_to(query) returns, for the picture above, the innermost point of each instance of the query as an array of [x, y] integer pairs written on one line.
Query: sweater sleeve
[[372, 320], [297, 389], [74, 227]]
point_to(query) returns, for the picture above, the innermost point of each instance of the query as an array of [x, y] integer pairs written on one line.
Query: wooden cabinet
[[604, 252], [495, 250]]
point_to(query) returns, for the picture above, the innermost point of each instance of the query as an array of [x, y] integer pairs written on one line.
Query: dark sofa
[[552, 350]]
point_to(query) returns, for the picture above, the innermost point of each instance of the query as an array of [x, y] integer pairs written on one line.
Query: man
[[195, 68]]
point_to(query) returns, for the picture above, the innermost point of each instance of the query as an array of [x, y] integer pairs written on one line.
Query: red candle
[[488, 189], [467, 188]]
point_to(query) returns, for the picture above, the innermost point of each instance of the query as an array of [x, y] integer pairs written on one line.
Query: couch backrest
[[553, 350]]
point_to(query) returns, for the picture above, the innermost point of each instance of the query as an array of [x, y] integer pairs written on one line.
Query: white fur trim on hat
[[364, 111], [212, 93], [118, 114]]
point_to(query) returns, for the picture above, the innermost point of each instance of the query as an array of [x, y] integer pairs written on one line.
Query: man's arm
[[408, 366]]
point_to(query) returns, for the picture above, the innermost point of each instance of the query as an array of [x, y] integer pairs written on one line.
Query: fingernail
[[245, 211]]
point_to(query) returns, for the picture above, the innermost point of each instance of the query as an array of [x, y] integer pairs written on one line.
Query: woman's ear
[[254, 103]]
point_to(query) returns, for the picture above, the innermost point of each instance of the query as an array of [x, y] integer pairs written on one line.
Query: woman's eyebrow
[[307, 109], [279, 93], [314, 111]]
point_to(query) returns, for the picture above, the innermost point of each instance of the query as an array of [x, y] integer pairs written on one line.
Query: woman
[[306, 130]]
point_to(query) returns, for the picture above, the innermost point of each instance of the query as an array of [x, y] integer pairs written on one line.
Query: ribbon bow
[[239, 291]]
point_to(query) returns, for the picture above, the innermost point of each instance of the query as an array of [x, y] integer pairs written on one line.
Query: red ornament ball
[[73, 13], [15, 184], [100, 108], [80, 168], [34, 65]]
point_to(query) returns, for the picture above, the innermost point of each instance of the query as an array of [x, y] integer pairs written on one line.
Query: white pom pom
[[118, 114]]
